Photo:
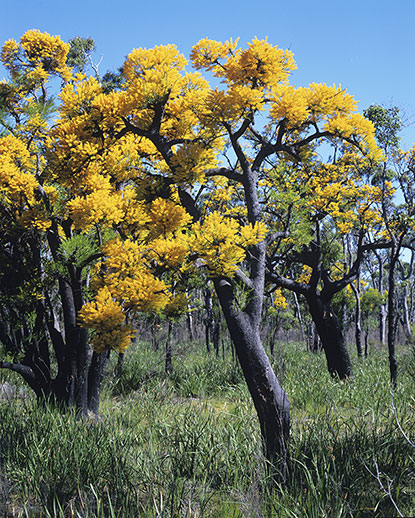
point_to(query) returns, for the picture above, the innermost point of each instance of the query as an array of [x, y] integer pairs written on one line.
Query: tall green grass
[[188, 445]]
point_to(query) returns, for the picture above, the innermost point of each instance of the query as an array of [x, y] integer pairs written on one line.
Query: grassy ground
[[188, 445]]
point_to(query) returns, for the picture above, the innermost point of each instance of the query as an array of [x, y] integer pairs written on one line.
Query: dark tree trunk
[[95, 377], [392, 320], [366, 343], [169, 345], [216, 334], [382, 309], [331, 336], [270, 400], [358, 319]]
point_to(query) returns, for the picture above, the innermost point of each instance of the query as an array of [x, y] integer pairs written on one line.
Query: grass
[[188, 445]]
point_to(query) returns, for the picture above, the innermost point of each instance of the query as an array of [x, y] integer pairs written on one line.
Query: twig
[[386, 491], [398, 423]]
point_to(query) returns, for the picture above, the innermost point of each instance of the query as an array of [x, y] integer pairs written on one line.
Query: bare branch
[[398, 423], [387, 491]]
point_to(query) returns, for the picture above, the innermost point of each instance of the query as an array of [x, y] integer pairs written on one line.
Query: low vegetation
[[187, 445]]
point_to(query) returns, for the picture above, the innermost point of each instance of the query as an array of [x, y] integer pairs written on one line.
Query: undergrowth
[[188, 445]]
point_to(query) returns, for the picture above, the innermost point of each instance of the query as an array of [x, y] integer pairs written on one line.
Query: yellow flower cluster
[[127, 275], [15, 183], [106, 317], [305, 274], [44, 54], [191, 161], [338, 191], [221, 242], [280, 301], [260, 65], [166, 216]]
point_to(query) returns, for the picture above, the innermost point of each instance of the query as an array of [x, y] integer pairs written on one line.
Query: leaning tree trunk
[[270, 400], [331, 336]]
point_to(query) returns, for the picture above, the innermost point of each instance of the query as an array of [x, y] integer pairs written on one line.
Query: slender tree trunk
[[366, 343], [299, 316], [358, 319], [169, 345], [393, 364], [405, 313], [216, 335], [332, 340], [190, 326], [382, 309], [210, 319]]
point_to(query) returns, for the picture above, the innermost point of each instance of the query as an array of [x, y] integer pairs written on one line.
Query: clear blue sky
[[367, 46]]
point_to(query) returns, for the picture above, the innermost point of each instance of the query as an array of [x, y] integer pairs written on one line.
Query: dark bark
[[366, 343], [392, 320], [270, 400], [216, 335], [332, 340], [358, 320], [95, 378], [382, 309]]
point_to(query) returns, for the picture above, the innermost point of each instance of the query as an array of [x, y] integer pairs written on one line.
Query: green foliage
[[79, 52], [388, 124], [78, 248], [112, 81]]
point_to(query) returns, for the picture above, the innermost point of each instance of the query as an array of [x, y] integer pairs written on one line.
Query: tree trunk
[[393, 364], [95, 377], [358, 319], [332, 340], [169, 345], [299, 316], [190, 326], [210, 318], [216, 335], [366, 343], [270, 400], [382, 309], [405, 313]]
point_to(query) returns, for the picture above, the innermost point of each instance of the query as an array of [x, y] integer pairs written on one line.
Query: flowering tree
[[66, 212], [166, 175]]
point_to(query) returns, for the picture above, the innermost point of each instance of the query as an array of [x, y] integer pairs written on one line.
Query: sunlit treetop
[[37, 55]]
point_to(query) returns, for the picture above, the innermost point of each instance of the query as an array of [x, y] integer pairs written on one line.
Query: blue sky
[[367, 46]]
